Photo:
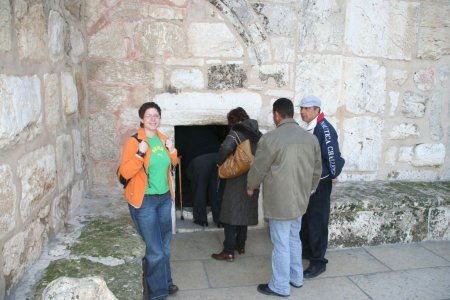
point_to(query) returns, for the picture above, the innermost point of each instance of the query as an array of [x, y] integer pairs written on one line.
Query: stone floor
[[100, 240]]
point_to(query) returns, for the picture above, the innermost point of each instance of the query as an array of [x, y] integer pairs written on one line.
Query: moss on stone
[[101, 238], [109, 237], [123, 280]]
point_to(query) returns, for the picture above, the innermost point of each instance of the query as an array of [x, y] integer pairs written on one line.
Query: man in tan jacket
[[288, 164]]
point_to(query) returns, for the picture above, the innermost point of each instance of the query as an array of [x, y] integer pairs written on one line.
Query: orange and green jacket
[[132, 167]]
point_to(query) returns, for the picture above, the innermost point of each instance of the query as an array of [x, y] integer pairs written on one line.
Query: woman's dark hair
[[236, 115], [284, 107], [146, 106]]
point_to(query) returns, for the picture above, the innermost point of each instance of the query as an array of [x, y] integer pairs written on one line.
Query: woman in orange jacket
[[146, 163]]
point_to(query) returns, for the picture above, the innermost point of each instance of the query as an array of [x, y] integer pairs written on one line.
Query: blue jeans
[[286, 255], [153, 222]]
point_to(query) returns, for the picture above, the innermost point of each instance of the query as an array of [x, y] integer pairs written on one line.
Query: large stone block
[[320, 75], [226, 77], [103, 137], [64, 161], [8, 200], [444, 75], [111, 41], [399, 76], [364, 86], [55, 36], [393, 101], [5, 26], [436, 130], [30, 30], [322, 26], [14, 249], [58, 213], [414, 105], [362, 143], [69, 93], [76, 197], [78, 288], [382, 28], [162, 13], [129, 72], [404, 131], [24, 249], [283, 49], [425, 79], [104, 98], [77, 48], [428, 155], [162, 39], [52, 103], [78, 153], [434, 36], [277, 19], [129, 118], [205, 108], [374, 228], [261, 53], [213, 40], [20, 107], [187, 79], [37, 173]]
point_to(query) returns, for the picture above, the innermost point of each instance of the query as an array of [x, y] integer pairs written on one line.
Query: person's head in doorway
[[236, 115]]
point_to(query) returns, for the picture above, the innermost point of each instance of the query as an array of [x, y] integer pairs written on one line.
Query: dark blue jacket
[[332, 162]]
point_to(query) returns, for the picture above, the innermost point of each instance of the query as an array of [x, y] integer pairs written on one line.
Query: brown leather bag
[[239, 162]]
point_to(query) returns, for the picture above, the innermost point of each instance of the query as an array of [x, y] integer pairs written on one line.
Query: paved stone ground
[[101, 240]]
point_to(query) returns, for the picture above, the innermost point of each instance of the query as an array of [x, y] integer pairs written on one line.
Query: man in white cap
[[314, 229]]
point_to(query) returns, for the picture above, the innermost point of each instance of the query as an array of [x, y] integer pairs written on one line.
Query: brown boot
[[223, 256]]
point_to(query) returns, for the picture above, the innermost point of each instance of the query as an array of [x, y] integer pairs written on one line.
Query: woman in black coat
[[238, 210]]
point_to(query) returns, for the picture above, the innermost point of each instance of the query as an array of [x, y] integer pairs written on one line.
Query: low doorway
[[192, 141]]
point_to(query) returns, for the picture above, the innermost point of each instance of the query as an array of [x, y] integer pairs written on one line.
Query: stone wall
[[43, 127], [380, 67]]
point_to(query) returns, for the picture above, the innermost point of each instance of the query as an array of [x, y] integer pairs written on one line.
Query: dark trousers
[[314, 230], [202, 172], [235, 236]]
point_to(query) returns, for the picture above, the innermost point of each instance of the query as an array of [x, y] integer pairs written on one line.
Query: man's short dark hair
[[284, 107]]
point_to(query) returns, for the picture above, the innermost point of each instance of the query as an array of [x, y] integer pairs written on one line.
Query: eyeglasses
[[151, 116]]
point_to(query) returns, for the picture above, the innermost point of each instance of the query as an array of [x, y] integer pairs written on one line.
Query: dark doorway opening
[[192, 141]]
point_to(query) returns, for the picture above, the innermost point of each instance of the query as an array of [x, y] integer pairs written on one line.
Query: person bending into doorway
[[199, 146], [238, 209]]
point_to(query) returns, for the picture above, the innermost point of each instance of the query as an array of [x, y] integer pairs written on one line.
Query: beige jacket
[[288, 164]]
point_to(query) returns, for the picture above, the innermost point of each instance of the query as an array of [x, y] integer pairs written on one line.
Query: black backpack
[[123, 181]]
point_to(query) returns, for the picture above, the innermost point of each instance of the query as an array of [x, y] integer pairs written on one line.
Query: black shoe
[[314, 270], [173, 289], [296, 286], [264, 289], [201, 223]]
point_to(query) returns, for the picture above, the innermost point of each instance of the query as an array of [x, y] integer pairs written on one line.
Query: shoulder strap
[[139, 140], [136, 137]]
